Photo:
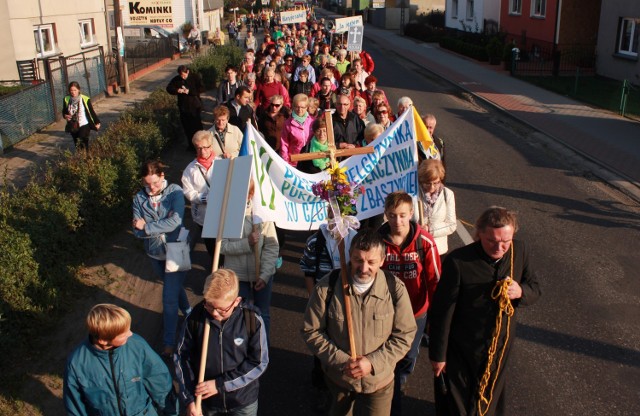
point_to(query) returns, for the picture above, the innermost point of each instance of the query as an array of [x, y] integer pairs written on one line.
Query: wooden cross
[[333, 154]]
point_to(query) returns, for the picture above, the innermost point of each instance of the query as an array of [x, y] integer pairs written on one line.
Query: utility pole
[[117, 18]]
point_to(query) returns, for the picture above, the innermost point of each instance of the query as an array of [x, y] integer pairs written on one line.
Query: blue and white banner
[[296, 16], [283, 194]]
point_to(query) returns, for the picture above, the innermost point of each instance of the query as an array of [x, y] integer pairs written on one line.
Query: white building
[[471, 15], [36, 29]]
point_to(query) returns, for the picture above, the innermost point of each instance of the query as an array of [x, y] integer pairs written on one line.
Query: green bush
[[211, 66], [66, 212], [478, 52]]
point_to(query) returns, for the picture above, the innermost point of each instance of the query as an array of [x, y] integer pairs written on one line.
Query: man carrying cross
[[382, 327]]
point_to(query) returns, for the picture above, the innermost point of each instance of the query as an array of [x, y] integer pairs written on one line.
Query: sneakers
[[279, 262]]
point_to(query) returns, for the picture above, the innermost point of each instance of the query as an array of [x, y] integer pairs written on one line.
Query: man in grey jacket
[[383, 328]]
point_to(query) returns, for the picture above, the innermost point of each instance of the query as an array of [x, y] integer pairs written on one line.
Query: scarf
[[316, 146], [300, 119], [206, 163], [430, 201]]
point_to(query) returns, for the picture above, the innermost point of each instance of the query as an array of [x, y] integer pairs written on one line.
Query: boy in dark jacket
[[236, 356]]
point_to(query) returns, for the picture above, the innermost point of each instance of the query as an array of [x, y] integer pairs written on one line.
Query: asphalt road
[[578, 350]]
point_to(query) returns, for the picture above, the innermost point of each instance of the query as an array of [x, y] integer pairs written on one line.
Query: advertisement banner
[[343, 24], [295, 16], [150, 12], [283, 194]]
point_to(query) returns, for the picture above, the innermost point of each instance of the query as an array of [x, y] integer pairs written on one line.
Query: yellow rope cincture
[[499, 293]]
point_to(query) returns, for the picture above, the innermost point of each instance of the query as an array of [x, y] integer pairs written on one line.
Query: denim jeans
[[173, 297], [261, 299], [406, 366], [248, 410]]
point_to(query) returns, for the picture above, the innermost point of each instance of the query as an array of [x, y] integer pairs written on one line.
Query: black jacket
[[187, 103], [350, 130], [241, 119], [235, 358]]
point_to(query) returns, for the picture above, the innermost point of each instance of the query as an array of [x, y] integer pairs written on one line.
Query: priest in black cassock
[[463, 316]]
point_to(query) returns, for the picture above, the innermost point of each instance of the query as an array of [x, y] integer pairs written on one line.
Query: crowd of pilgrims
[[282, 88]]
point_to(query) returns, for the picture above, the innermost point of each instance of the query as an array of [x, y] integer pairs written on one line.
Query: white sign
[[354, 40], [296, 16], [343, 24], [237, 197], [283, 194], [378, 4], [150, 12]]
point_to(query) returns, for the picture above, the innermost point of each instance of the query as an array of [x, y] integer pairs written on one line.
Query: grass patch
[[595, 90]]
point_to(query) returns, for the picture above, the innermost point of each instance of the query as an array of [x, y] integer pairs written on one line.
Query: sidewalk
[[19, 161], [603, 137]]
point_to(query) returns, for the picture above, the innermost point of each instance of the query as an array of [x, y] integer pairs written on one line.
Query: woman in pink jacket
[[297, 129]]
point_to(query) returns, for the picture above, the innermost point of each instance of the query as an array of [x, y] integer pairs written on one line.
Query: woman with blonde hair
[[297, 129], [438, 203]]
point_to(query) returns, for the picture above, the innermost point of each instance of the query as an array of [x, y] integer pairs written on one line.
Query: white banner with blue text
[[283, 194]]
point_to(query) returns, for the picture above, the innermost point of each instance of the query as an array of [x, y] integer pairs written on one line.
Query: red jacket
[[265, 91], [367, 61], [419, 276]]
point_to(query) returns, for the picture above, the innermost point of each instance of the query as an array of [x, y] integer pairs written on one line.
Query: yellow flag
[[423, 137]]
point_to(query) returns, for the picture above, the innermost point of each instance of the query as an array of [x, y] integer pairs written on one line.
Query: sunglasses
[[276, 105]]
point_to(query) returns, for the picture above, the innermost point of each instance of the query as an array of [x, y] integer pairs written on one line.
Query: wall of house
[[8, 68], [491, 10], [610, 63], [22, 16], [525, 26], [181, 11], [579, 21], [461, 22]]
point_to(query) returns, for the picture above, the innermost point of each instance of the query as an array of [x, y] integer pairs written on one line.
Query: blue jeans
[[261, 299], [248, 410], [406, 366], [173, 297]]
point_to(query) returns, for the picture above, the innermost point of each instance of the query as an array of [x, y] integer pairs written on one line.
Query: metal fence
[[540, 59], [141, 55], [25, 112]]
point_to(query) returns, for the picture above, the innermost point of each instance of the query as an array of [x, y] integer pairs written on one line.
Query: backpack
[[249, 322]]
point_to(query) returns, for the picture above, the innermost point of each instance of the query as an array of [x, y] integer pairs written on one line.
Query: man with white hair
[[403, 104]]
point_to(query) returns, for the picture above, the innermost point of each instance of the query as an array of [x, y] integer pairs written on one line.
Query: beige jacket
[[383, 331], [239, 256], [232, 141]]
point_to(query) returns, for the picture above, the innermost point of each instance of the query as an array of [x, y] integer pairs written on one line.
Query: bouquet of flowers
[[342, 198]]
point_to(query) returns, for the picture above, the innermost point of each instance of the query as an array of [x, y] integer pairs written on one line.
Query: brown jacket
[[383, 331]]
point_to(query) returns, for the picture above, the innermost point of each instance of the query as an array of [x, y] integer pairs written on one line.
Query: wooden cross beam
[[333, 154]]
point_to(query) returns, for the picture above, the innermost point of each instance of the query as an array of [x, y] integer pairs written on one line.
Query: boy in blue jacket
[[115, 372]]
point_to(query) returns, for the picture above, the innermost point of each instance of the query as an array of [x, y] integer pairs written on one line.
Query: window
[[87, 32], [45, 40], [470, 14], [515, 6], [628, 36], [538, 8], [454, 9]]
